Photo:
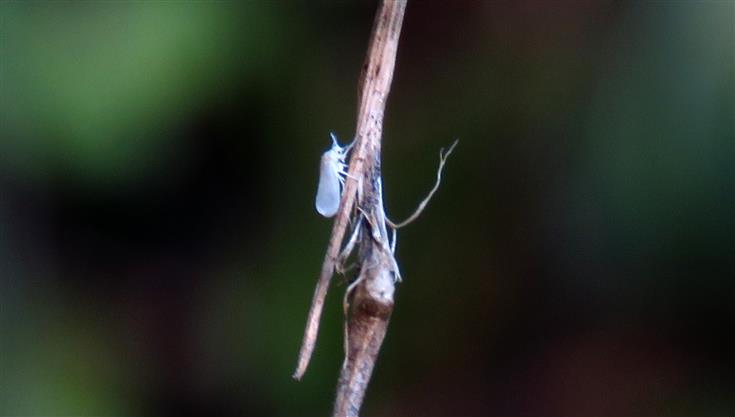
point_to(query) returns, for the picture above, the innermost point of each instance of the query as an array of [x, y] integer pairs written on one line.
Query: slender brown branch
[[374, 287], [373, 88]]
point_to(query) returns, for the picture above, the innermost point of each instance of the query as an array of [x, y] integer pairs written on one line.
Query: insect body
[[332, 171]]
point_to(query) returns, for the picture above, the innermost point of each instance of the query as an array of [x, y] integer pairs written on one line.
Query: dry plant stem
[[374, 86], [372, 300], [370, 309]]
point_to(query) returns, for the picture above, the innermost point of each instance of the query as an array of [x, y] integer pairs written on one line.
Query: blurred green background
[[159, 246]]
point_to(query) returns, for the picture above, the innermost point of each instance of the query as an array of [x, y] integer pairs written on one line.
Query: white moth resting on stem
[[332, 171]]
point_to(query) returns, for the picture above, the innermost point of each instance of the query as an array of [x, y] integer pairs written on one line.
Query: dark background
[[159, 246]]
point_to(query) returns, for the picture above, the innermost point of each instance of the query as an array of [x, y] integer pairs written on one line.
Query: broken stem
[[373, 289], [373, 88]]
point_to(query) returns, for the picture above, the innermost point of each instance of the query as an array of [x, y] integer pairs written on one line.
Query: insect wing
[[328, 192]]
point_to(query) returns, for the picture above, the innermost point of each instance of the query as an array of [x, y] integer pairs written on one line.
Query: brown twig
[[368, 301], [377, 74], [372, 300]]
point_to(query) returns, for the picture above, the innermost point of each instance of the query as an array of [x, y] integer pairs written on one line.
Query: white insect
[[332, 172]]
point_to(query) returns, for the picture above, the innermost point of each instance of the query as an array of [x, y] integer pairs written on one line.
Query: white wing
[[328, 193]]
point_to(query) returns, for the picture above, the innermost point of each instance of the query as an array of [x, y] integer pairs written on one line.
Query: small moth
[[332, 170]]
